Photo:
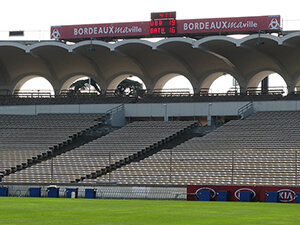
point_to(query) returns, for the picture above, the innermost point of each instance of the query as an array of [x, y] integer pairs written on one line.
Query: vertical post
[[170, 165], [232, 167], [296, 168], [109, 159], [52, 151], [265, 85], [89, 85], [235, 84]]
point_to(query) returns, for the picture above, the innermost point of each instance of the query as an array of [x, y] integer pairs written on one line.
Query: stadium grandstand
[[154, 144]]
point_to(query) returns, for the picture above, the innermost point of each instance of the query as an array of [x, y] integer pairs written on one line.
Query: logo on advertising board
[[274, 24], [237, 192], [214, 193], [55, 34], [286, 195]]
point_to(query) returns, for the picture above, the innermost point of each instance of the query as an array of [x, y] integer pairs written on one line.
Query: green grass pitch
[[14, 210]]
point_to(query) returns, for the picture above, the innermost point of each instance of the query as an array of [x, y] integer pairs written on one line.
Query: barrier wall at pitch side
[[259, 193]]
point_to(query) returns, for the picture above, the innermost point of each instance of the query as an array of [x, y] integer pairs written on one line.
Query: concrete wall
[[105, 192], [156, 109], [183, 109], [276, 106], [36, 109]]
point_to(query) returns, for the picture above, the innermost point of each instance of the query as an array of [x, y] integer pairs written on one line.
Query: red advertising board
[[180, 27], [134, 29], [286, 194], [233, 25]]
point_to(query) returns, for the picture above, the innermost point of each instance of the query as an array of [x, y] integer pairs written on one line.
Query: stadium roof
[[249, 60]]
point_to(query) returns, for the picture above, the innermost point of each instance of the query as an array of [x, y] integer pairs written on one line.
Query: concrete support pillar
[[291, 89], [166, 112], [209, 114]]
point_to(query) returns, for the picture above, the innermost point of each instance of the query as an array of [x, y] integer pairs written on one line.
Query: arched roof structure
[[243, 58]]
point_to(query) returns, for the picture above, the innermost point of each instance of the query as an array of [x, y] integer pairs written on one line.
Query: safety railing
[[246, 110], [173, 92], [109, 113], [276, 90]]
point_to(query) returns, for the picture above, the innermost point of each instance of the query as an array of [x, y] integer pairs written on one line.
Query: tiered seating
[[100, 153], [24, 138], [264, 149]]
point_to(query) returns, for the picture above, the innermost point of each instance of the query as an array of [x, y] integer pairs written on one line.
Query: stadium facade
[[155, 145]]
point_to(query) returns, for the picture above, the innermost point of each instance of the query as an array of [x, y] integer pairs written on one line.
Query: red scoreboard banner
[[232, 25], [134, 29], [285, 194], [165, 27]]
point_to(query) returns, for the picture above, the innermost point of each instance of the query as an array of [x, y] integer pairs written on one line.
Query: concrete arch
[[118, 78], [4, 75], [256, 78], [70, 79], [261, 36], [15, 45], [131, 41], [297, 85], [192, 74], [18, 83], [206, 45], [93, 42], [91, 61], [211, 77], [150, 61], [134, 60], [202, 41], [172, 40], [47, 44], [160, 81], [237, 42], [289, 37]]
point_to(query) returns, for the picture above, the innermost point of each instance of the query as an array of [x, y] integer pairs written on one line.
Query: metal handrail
[[244, 109], [111, 111]]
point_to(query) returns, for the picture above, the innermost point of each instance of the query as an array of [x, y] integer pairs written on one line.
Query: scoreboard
[[163, 15], [163, 24], [160, 27]]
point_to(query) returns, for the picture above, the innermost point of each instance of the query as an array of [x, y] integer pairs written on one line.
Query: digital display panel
[[163, 15], [163, 27], [162, 23], [162, 30]]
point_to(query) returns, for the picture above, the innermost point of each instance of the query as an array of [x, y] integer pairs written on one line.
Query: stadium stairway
[[165, 139], [96, 129]]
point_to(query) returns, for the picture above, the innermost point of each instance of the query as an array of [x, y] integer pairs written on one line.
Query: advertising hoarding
[[286, 194], [177, 28]]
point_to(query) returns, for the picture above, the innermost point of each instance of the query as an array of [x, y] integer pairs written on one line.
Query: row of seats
[[260, 150], [28, 137], [263, 149], [116, 146]]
